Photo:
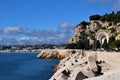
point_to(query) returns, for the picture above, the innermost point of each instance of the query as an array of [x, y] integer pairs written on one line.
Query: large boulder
[[51, 54], [92, 64]]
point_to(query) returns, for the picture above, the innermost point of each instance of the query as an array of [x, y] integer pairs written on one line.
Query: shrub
[[95, 17]]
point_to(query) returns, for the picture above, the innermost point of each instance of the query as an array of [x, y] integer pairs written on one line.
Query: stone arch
[[101, 36]]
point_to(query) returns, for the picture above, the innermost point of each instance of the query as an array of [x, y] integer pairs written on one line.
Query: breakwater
[[88, 65]]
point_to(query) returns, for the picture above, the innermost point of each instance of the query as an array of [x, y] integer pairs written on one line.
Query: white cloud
[[61, 35], [8, 41], [13, 30], [42, 33], [66, 27]]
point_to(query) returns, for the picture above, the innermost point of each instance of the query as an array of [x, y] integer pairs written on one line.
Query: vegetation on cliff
[[86, 35], [111, 17]]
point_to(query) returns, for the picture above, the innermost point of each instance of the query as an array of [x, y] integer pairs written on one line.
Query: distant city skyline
[[47, 21]]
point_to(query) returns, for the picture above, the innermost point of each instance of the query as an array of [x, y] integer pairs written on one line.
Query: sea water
[[25, 66]]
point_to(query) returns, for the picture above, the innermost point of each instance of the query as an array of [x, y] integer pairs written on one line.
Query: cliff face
[[95, 30]]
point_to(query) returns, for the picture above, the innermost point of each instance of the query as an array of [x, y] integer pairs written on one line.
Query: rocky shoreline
[[57, 53], [87, 65]]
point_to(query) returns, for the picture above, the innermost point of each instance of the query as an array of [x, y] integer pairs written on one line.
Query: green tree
[[97, 44], [95, 17], [112, 17], [116, 44], [103, 18], [111, 39], [71, 46], [112, 30], [84, 23], [110, 43]]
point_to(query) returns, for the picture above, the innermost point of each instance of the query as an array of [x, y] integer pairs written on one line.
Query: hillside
[[99, 32]]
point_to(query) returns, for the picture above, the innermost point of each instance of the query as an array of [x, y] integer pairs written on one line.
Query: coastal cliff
[[99, 31]]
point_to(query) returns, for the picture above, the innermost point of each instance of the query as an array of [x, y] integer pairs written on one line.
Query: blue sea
[[25, 66]]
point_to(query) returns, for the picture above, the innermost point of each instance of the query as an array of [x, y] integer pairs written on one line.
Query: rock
[[87, 72], [81, 73], [77, 75], [89, 65], [57, 53], [61, 74], [80, 76], [92, 64], [51, 54], [56, 68], [66, 72]]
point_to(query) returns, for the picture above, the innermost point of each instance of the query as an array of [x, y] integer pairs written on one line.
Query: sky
[[28, 22]]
